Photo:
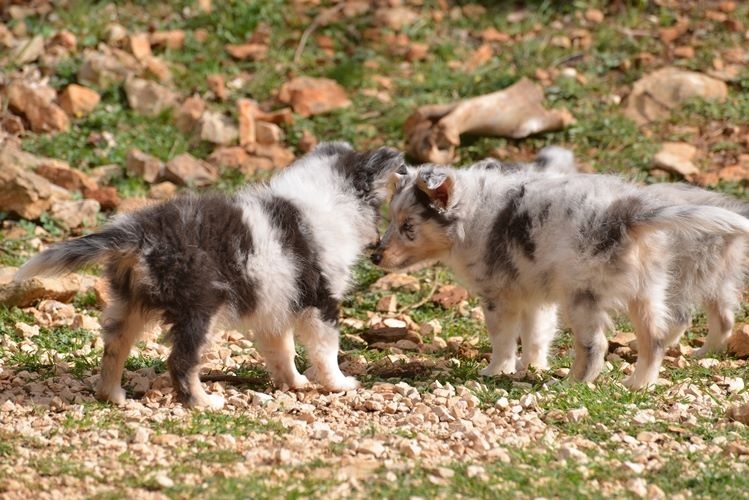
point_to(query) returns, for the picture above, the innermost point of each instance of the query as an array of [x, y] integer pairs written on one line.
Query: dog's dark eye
[[407, 229]]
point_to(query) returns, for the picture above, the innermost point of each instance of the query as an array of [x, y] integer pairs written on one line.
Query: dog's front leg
[[503, 325], [321, 339], [538, 329]]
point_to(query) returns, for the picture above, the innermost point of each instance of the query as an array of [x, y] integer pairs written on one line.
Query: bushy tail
[[700, 219], [74, 254]]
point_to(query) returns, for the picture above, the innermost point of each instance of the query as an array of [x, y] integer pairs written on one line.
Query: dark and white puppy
[[525, 241], [272, 258]]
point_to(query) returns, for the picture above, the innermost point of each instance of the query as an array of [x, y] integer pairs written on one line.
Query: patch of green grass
[[85, 300], [207, 422], [14, 252], [155, 135], [61, 341], [7, 447], [9, 316], [216, 456], [95, 415], [139, 361]]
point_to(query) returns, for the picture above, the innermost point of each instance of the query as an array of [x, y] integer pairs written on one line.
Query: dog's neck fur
[[475, 199]]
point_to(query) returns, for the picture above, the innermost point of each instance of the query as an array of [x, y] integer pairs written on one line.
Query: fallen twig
[[320, 20]]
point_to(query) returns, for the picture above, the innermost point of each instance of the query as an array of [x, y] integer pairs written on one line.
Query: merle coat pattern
[[528, 242], [272, 258]]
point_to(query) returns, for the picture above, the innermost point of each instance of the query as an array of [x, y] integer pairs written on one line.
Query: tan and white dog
[[528, 241]]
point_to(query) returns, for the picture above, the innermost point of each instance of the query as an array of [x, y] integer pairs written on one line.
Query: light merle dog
[[272, 258], [528, 241]]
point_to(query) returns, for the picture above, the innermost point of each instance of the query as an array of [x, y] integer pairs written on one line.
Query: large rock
[[25, 193], [186, 169], [147, 97], [676, 157], [246, 117], [140, 164], [104, 69], [268, 133], [738, 342], [107, 197], [173, 39], [140, 46], [78, 100], [278, 155], [27, 51], [26, 293], [217, 128], [655, 95], [189, 113], [35, 102], [395, 18], [66, 177], [73, 214], [10, 153], [313, 96], [237, 157], [249, 51]]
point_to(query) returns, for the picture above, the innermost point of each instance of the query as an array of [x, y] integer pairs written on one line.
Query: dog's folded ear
[[374, 174], [386, 160], [438, 186]]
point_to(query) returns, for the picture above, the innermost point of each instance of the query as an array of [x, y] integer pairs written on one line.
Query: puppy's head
[[368, 172], [423, 218]]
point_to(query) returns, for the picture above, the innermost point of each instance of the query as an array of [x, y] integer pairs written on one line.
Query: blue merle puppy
[[273, 258], [529, 241]]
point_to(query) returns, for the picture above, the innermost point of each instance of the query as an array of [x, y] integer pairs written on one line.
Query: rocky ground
[[108, 107]]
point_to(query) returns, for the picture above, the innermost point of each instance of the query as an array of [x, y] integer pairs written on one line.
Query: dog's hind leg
[[648, 318], [503, 325], [536, 335], [679, 321], [122, 324], [720, 322], [278, 352], [321, 339], [189, 335], [588, 321]]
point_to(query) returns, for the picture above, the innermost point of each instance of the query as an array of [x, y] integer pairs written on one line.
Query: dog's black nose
[[376, 257]]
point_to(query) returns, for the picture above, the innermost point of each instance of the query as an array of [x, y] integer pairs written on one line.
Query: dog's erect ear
[[438, 186]]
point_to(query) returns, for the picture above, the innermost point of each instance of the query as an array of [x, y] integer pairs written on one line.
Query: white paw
[[634, 383], [209, 401], [704, 351], [299, 382], [342, 384], [114, 395], [492, 369], [536, 363]]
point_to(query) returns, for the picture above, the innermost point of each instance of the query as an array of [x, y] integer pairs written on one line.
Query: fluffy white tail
[[699, 219]]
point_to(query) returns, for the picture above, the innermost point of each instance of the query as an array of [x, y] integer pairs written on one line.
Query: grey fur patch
[[511, 229]]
